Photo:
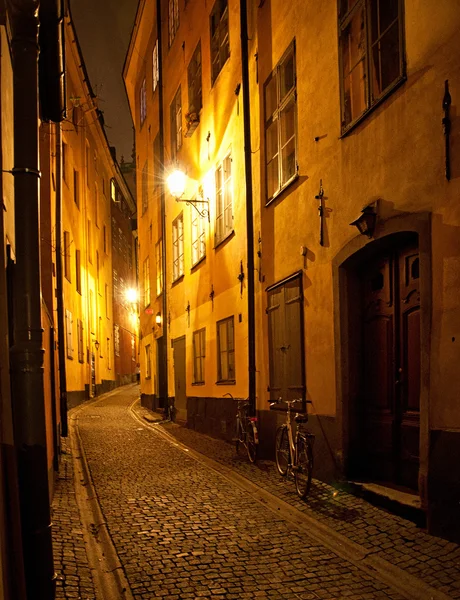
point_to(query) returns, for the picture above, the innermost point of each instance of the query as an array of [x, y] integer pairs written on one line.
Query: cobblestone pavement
[[183, 531], [433, 560], [73, 572]]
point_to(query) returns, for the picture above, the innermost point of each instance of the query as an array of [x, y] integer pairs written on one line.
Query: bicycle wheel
[[282, 450], [251, 443], [304, 466]]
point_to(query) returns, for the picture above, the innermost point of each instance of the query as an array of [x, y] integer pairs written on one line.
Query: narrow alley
[[183, 516]]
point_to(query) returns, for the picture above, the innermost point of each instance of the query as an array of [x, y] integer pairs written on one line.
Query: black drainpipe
[[27, 384], [60, 287], [249, 207], [163, 362]]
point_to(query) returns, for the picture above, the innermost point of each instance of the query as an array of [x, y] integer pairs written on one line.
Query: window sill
[[197, 264], [354, 124], [281, 191], [178, 280], [226, 382], [196, 383], [224, 239]]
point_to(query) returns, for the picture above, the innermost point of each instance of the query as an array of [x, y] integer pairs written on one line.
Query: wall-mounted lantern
[[367, 221], [176, 185], [96, 345], [158, 319]]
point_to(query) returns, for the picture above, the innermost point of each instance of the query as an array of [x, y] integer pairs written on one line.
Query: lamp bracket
[[204, 212]]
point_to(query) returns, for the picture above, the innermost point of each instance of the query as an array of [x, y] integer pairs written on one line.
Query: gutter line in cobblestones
[[107, 570], [408, 586]]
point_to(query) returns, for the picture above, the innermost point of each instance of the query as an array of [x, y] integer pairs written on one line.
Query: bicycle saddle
[[301, 418]]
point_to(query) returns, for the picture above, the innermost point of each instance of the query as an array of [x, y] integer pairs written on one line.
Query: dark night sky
[[103, 29]]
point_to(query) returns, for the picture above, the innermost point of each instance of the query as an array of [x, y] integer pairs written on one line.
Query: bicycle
[[246, 430], [295, 454]]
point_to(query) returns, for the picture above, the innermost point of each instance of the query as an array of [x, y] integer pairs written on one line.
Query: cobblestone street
[[183, 528]]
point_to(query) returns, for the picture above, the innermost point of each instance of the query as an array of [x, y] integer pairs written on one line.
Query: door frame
[[347, 359], [180, 413]]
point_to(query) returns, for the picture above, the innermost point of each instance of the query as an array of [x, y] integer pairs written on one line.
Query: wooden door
[[285, 337], [180, 400], [389, 413]]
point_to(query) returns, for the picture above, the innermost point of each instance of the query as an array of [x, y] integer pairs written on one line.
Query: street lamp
[[367, 221], [176, 184], [132, 295]]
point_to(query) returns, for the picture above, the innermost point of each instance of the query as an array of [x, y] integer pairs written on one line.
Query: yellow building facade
[[354, 221]]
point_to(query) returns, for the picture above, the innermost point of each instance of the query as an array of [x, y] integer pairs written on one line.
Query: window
[[176, 125], [87, 154], [178, 247], [198, 237], [107, 300], [145, 187], [97, 270], [68, 334], [195, 101], [281, 124], [116, 339], [80, 341], [157, 170], [78, 271], [67, 274], [146, 274], [159, 266], [285, 339], [225, 350], [173, 19], [148, 372], [371, 54], [199, 354], [104, 239], [76, 188], [224, 209], [99, 336], [155, 67], [96, 205], [108, 354], [220, 48], [64, 161], [113, 190], [143, 101], [90, 243]]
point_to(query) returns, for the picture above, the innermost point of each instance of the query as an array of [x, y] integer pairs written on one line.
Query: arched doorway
[[383, 320]]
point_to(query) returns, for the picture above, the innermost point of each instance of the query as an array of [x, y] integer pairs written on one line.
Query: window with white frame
[[220, 46], [173, 19], [198, 237], [225, 350], [371, 54], [159, 266], [81, 355], [199, 354], [146, 277], [148, 358], [281, 124], [76, 188], [143, 101], [224, 200], [68, 333], [108, 354], [176, 124], [195, 100], [90, 243], [178, 247], [155, 67]]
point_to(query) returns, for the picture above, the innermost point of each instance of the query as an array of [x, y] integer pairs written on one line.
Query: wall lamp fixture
[[96, 345], [176, 184], [366, 222], [158, 319]]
